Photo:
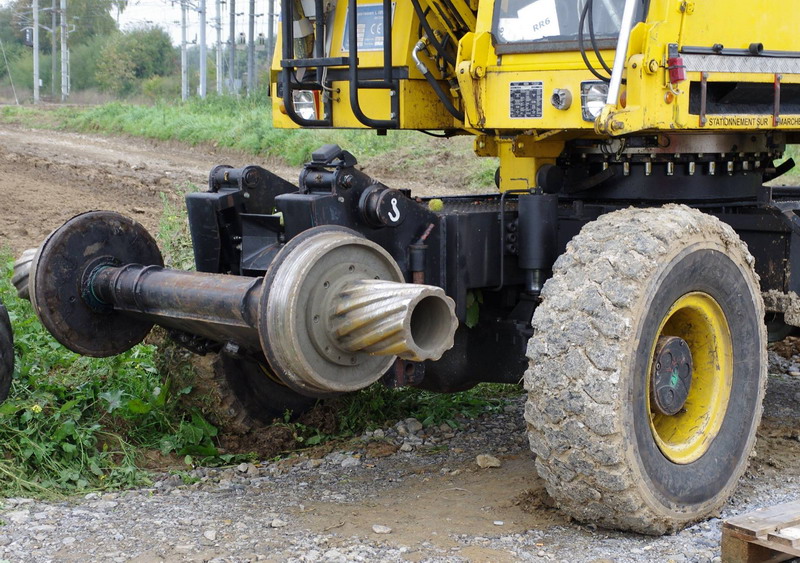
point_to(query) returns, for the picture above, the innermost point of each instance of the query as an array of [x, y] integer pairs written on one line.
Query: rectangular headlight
[[593, 98], [306, 103]]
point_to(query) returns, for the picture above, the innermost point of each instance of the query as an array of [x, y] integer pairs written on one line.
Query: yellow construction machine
[[631, 266]]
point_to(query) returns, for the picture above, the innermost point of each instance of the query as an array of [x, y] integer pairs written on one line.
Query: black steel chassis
[[490, 253]]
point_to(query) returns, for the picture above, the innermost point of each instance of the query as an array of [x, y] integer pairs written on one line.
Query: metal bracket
[[703, 98]]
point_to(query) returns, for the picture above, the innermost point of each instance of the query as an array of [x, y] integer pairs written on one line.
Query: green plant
[[372, 407], [173, 232]]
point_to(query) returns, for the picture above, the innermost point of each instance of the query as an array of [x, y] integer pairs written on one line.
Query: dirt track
[[440, 506], [46, 177]]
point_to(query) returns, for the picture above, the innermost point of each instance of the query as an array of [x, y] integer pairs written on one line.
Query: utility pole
[[251, 50], [232, 45], [53, 49], [203, 53], [218, 57], [184, 65], [64, 53], [35, 51], [271, 31]]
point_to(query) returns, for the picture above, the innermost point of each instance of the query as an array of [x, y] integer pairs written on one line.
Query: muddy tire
[[252, 396], [22, 271], [599, 422], [6, 353]]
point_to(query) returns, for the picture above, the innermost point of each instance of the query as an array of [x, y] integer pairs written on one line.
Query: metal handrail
[[626, 25]]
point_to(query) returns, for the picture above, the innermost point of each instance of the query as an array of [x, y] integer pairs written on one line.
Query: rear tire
[[22, 271], [6, 353], [606, 447], [253, 396]]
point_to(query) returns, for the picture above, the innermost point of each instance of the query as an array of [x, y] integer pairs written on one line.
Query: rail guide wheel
[[647, 370]]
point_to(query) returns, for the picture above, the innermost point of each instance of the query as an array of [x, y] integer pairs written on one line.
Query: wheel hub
[[671, 376]]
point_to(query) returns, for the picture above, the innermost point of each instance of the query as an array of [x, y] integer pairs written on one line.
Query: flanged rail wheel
[[647, 370]]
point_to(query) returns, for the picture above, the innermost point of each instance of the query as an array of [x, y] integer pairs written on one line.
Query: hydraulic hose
[[448, 104]]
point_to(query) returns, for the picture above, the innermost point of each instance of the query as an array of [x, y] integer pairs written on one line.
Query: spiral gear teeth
[[375, 317]]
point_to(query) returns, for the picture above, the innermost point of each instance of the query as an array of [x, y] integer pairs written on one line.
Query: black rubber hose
[[582, 47], [448, 104], [590, 3], [423, 20]]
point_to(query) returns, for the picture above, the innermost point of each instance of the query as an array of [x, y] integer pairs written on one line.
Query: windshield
[[547, 20]]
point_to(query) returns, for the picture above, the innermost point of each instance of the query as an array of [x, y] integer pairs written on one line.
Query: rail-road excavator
[[631, 264]]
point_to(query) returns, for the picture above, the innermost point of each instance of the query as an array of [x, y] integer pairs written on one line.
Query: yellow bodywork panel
[[419, 107], [715, 45]]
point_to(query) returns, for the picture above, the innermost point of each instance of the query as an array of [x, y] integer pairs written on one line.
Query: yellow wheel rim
[[697, 319]]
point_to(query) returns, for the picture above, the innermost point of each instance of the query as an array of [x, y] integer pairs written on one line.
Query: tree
[[133, 56]]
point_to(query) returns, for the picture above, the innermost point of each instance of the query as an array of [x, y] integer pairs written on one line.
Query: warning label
[[526, 100]]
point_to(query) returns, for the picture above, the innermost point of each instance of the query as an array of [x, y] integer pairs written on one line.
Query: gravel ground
[[400, 494]]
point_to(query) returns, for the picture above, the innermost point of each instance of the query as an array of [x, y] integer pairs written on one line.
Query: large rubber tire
[[22, 271], [253, 396], [6, 353], [589, 408]]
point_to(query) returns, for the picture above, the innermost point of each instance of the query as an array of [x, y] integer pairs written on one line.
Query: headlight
[[593, 99], [305, 103]]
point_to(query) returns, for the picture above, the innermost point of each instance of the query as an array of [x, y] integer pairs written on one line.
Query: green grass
[[74, 423], [372, 407]]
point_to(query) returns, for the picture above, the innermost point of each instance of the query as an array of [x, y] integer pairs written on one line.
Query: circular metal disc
[[309, 266], [61, 267]]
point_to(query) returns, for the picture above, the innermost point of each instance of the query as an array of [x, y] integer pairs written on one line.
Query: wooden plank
[[759, 523], [736, 549], [786, 536]]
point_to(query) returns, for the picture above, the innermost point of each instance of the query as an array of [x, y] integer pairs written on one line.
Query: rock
[[278, 523], [242, 467], [380, 529], [12, 502], [210, 535], [498, 522], [17, 516], [485, 461], [406, 447], [379, 434], [4, 541], [351, 462], [68, 541], [413, 425], [104, 504]]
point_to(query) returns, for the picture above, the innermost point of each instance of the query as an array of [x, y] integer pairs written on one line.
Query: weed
[[371, 407], [173, 232]]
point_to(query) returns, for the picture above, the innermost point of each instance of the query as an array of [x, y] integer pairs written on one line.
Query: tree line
[[122, 64]]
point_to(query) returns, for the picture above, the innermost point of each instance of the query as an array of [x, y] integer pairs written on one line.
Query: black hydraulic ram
[[331, 314]]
